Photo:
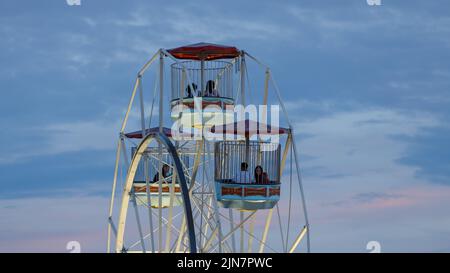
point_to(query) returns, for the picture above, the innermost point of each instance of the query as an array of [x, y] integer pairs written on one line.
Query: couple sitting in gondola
[[210, 91], [243, 176]]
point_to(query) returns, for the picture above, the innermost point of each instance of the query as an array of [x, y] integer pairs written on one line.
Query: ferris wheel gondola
[[147, 176], [236, 187]]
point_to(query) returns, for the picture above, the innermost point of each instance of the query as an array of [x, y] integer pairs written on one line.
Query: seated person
[[165, 172], [243, 176], [266, 178], [260, 176], [189, 91], [211, 90]]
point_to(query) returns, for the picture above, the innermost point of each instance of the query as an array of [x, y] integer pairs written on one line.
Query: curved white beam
[[164, 140]]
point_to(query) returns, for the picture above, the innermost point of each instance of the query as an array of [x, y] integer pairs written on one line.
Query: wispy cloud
[[405, 219], [365, 198], [67, 137], [360, 143], [56, 221], [336, 25]]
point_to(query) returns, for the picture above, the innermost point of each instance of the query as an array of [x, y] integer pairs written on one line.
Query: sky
[[367, 89]]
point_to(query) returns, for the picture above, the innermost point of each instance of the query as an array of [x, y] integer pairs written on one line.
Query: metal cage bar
[[219, 72], [230, 154]]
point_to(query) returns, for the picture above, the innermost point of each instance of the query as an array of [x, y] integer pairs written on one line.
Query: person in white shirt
[[243, 176]]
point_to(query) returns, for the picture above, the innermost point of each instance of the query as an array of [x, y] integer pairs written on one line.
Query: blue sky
[[367, 89]]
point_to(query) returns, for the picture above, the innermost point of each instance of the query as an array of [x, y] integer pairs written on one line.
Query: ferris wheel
[[202, 180]]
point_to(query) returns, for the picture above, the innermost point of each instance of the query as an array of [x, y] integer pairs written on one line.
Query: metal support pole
[[141, 100], [149, 202], [138, 221], [172, 197], [216, 208], [242, 232], [243, 79], [202, 76], [305, 211], [233, 238], [111, 204], [160, 167], [298, 239], [237, 227], [266, 230], [133, 94], [251, 230], [281, 227], [181, 235], [124, 152], [263, 118]]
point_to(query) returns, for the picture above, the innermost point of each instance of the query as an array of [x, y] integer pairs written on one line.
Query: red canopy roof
[[248, 128], [204, 51], [166, 131]]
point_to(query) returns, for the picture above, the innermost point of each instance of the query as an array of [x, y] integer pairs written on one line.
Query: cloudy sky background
[[367, 89]]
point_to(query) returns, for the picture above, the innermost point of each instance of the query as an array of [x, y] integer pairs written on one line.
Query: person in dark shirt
[[165, 172], [189, 91], [260, 176], [211, 90]]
